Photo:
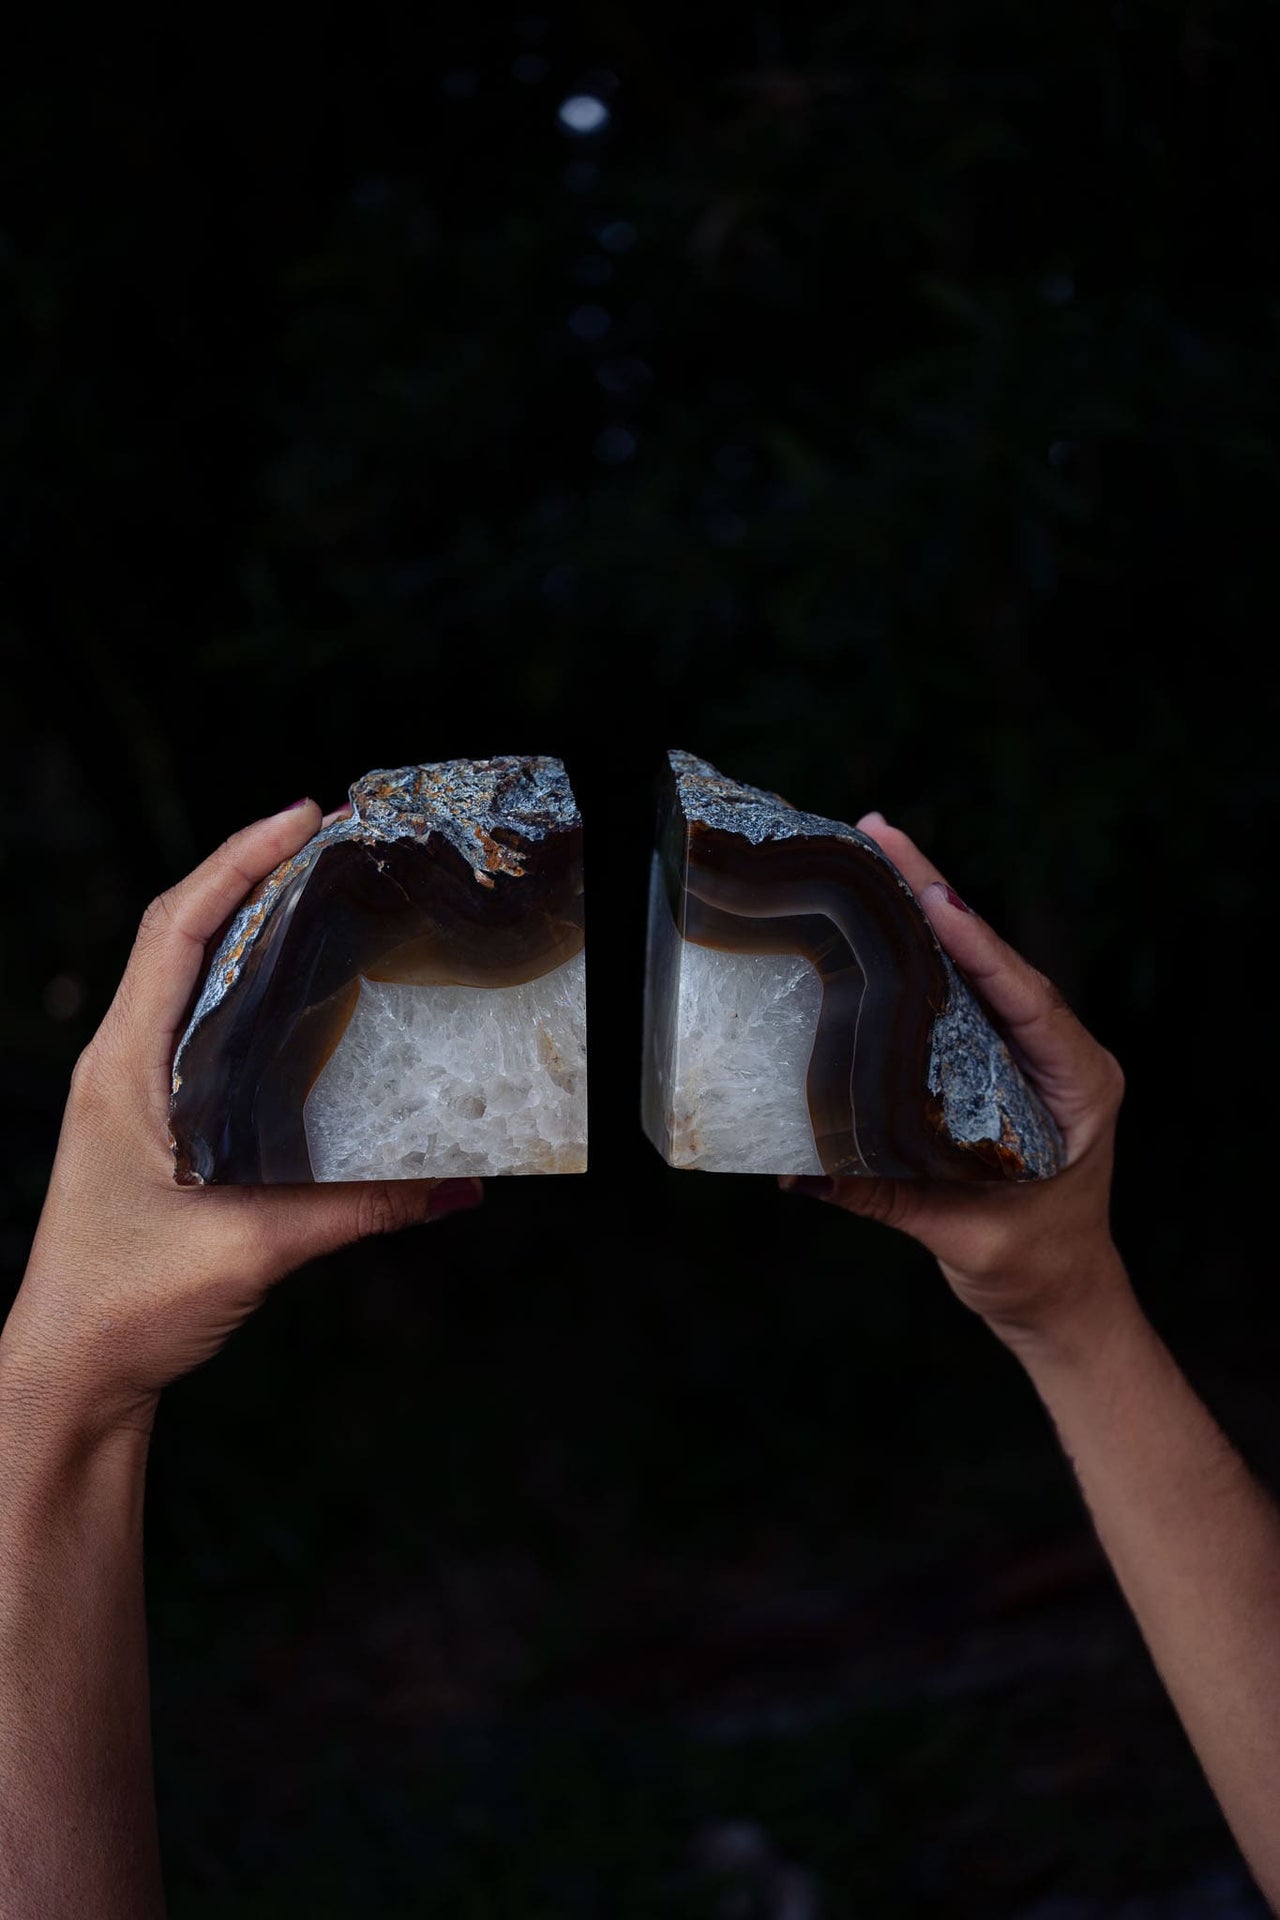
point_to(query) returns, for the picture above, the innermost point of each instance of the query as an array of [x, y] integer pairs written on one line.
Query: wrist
[[64, 1362], [62, 1482], [56, 1452], [1065, 1326], [52, 1419]]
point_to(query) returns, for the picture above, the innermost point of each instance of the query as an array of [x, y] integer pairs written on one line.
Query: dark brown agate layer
[[465, 873], [906, 1077]]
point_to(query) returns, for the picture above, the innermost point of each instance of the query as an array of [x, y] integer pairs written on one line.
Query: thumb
[[891, 1202], [322, 1218]]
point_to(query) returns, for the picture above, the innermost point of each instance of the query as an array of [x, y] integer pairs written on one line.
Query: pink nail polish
[[955, 899], [295, 804], [454, 1196]]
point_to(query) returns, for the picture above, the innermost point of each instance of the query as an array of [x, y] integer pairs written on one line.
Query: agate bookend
[[405, 998], [800, 1016]]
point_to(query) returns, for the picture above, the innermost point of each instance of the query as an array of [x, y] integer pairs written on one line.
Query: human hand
[[132, 1279], [1034, 1259]]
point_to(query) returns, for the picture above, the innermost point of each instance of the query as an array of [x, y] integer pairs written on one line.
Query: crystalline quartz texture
[[735, 1045], [405, 997], [800, 1016], [747, 1021], [455, 1080]]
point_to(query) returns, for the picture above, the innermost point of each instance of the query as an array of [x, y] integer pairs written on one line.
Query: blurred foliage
[[881, 402]]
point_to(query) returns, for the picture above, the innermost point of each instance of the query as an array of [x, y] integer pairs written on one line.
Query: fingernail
[[875, 818], [292, 808], [819, 1186], [954, 897], [454, 1196], [339, 813]]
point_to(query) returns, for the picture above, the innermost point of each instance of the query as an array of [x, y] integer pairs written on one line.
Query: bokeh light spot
[[582, 113], [589, 322]]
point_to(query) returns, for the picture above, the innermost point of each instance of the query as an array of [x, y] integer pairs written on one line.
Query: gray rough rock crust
[[467, 802]]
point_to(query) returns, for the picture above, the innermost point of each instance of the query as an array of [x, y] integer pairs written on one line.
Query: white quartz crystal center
[[433, 1082], [744, 1031]]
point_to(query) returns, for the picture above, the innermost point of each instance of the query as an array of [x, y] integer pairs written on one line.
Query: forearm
[[1194, 1541], [77, 1807]]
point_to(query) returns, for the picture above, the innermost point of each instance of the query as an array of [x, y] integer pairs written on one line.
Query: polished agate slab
[[405, 997], [800, 1016]]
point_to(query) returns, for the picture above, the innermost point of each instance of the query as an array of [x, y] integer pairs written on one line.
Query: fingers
[[309, 1221], [454, 1196], [1071, 1069], [915, 867], [388, 1206], [1065, 1060], [176, 927], [891, 1202]]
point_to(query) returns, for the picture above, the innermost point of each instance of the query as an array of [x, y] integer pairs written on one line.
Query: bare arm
[[1192, 1537], [1195, 1544], [132, 1281], [77, 1828]]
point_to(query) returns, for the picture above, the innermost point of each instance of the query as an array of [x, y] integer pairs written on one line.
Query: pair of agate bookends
[[405, 999]]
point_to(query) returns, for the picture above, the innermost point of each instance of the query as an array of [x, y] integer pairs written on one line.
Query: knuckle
[[232, 860], [158, 915], [380, 1209], [1113, 1081], [991, 1257], [880, 1200], [989, 1250], [227, 850], [885, 1204]]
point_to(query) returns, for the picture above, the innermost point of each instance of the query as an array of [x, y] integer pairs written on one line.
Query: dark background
[[881, 402]]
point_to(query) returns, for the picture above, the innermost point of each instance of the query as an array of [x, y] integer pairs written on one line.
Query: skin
[[1193, 1539], [132, 1282]]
